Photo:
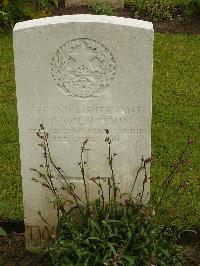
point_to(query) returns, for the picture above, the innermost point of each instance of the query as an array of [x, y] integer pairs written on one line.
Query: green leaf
[[2, 232], [113, 221], [129, 259], [94, 226], [112, 248]]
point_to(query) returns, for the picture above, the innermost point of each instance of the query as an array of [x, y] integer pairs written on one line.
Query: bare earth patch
[[13, 252]]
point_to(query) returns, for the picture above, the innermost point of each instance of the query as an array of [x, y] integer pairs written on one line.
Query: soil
[[182, 24], [12, 247], [13, 250]]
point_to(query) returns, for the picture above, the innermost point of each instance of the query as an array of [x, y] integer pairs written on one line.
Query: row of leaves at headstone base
[[12, 11]]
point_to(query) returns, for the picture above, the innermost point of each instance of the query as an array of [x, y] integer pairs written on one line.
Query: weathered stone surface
[[79, 75], [116, 3]]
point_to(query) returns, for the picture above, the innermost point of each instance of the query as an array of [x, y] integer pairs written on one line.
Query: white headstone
[[79, 75]]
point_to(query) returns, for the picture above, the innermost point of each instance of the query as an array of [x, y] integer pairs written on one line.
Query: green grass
[[10, 181], [176, 116]]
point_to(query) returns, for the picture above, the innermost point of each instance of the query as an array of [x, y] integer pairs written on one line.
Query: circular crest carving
[[83, 68]]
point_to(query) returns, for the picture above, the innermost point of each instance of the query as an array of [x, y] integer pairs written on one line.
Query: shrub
[[12, 11], [117, 229], [160, 9], [155, 9], [137, 7], [102, 8], [46, 5], [15, 10], [192, 8]]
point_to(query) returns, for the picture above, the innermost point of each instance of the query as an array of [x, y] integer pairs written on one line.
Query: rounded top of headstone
[[84, 18]]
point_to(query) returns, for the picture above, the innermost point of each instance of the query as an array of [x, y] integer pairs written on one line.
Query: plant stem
[[82, 167]]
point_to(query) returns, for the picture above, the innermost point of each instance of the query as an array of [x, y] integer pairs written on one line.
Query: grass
[[10, 181], [176, 115]]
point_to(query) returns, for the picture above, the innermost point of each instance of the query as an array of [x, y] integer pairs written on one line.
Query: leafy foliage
[[130, 237], [2, 232], [160, 9], [163, 9], [136, 6], [15, 10], [192, 8], [114, 230], [12, 11], [46, 5], [102, 8]]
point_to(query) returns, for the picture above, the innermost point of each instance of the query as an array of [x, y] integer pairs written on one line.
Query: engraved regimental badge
[[83, 68]]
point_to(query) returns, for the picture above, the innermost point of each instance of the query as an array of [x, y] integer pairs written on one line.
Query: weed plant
[[118, 229]]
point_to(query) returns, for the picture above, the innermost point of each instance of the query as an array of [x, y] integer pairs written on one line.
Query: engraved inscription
[[73, 124], [83, 68]]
